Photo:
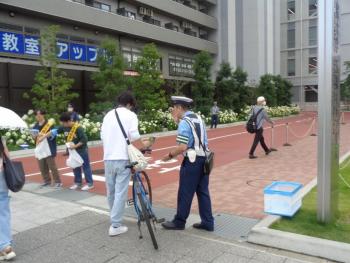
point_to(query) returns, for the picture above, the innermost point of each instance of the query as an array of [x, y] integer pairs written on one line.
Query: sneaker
[[74, 187], [7, 254], [46, 184], [116, 231], [58, 185], [268, 152], [87, 187]]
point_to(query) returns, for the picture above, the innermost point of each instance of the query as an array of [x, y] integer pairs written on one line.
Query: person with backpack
[[6, 251], [256, 125]]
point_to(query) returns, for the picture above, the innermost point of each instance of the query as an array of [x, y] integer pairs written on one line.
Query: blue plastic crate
[[282, 198]]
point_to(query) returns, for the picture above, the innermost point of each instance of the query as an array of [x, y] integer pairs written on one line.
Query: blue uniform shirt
[[185, 135]]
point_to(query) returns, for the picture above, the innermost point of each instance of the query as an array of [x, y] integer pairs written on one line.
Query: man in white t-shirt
[[116, 158]]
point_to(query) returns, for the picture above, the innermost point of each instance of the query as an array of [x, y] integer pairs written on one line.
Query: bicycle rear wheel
[[147, 217]]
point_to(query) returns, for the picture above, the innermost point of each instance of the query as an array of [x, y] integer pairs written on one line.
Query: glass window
[[291, 9], [313, 65], [311, 94], [106, 7], [291, 35], [313, 32], [313, 7], [131, 15], [130, 55], [291, 67]]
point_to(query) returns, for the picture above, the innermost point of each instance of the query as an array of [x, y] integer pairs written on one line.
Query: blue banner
[[92, 54], [17, 43], [77, 52], [31, 45], [62, 50], [11, 43]]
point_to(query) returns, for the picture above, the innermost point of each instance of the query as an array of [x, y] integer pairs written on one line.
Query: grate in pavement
[[233, 227], [226, 226]]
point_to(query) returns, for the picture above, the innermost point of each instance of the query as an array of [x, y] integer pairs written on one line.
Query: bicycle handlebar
[[132, 165]]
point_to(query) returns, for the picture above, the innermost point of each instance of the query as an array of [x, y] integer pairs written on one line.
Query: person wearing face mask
[[261, 116], [74, 114]]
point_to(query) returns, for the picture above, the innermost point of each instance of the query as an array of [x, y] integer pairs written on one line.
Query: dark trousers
[[214, 121], [87, 171], [46, 165], [259, 137], [193, 180]]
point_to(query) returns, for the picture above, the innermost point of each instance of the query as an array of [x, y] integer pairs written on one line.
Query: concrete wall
[[81, 14]]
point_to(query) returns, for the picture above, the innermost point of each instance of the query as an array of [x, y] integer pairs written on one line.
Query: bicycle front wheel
[[146, 185], [147, 217]]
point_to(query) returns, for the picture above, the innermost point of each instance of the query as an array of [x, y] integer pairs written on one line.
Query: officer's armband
[[182, 139]]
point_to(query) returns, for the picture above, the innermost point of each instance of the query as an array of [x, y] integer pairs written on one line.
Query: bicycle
[[142, 200]]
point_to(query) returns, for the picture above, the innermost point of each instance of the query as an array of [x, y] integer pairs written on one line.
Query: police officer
[[192, 178]]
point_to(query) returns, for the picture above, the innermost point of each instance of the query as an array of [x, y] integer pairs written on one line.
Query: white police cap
[[180, 100]]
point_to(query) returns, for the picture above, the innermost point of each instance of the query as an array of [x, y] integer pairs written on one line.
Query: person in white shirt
[[116, 158]]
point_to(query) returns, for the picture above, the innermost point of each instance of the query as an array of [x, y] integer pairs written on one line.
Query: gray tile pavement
[[48, 228]]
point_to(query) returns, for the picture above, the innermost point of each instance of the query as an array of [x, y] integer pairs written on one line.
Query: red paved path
[[230, 145]]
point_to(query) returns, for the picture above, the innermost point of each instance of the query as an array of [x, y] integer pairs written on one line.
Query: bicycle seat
[[132, 165]]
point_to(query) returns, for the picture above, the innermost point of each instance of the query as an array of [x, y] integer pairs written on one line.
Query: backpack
[[251, 125]]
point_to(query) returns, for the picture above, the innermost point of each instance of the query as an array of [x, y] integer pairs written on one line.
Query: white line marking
[[170, 147]]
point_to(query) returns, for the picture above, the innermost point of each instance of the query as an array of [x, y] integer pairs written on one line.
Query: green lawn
[[305, 221]]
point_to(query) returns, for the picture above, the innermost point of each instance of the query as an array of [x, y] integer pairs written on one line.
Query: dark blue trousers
[[193, 180], [87, 171]]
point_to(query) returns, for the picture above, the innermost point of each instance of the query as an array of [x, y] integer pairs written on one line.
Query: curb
[[261, 234], [61, 148]]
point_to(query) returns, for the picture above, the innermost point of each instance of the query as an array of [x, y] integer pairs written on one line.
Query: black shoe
[[169, 225], [46, 184], [203, 227], [268, 152], [252, 156]]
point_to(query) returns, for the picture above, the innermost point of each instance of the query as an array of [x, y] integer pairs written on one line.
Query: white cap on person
[[180, 100], [260, 99]]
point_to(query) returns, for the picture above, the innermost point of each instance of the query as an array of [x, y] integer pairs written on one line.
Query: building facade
[[180, 29], [298, 53]]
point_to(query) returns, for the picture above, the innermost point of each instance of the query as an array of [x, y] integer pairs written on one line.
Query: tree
[[275, 89], [147, 86], [345, 86], [177, 86], [203, 88], [109, 79], [267, 89], [51, 91], [231, 89], [224, 87], [243, 93], [283, 91]]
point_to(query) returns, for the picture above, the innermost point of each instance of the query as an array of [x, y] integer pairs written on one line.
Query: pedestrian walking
[[214, 115], [261, 116], [48, 163], [116, 157], [6, 250], [191, 140], [77, 140]]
